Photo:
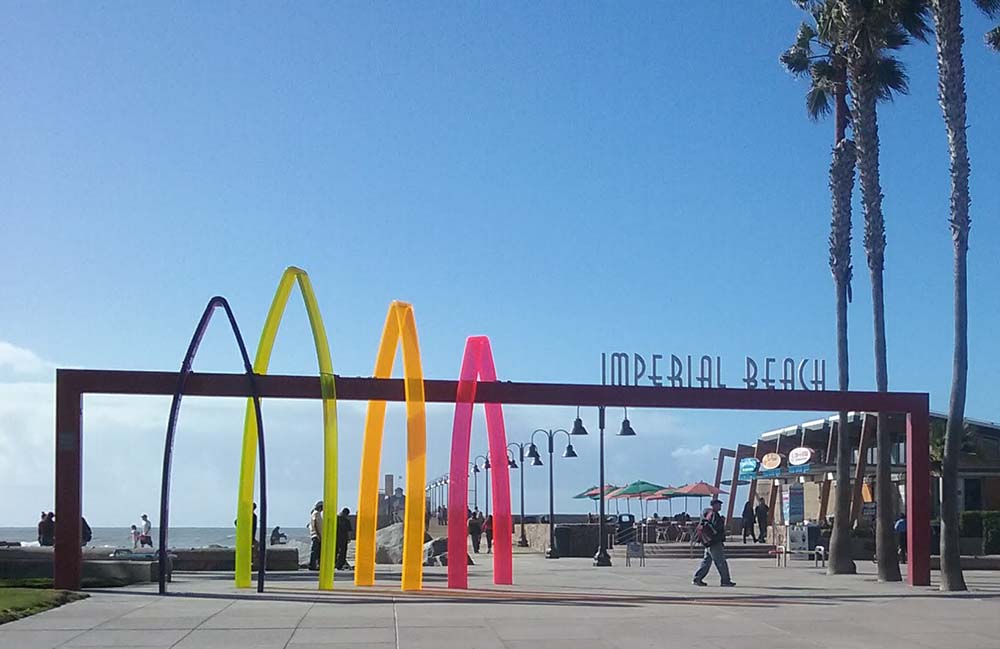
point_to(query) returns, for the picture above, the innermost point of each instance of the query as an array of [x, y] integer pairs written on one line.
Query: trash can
[[625, 530], [563, 534]]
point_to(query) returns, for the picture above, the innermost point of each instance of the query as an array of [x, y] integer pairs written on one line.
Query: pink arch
[[477, 364]]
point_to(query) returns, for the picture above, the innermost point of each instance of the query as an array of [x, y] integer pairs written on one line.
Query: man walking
[[762, 511], [748, 516], [711, 531], [344, 532], [315, 534]]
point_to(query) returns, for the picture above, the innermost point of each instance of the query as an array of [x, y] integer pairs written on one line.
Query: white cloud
[[18, 362], [703, 451]]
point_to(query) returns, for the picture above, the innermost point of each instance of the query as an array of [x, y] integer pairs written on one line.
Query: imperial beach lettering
[[689, 371]]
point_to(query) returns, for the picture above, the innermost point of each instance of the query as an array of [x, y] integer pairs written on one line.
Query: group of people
[[760, 514], [47, 530], [477, 526], [344, 533], [140, 535]]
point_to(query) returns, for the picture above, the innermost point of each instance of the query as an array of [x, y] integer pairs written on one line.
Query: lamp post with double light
[[551, 552], [603, 558], [520, 446], [486, 467]]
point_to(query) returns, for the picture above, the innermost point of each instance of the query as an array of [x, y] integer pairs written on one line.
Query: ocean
[[180, 537]]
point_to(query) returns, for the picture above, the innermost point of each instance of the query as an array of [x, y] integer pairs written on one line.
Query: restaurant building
[[794, 468]]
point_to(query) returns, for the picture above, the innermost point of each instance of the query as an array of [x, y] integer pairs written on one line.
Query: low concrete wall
[[225, 559], [29, 562]]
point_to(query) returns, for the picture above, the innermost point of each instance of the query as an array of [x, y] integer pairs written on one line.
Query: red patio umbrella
[[699, 489]]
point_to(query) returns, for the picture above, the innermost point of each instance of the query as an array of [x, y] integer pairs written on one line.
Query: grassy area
[[20, 602], [46, 582]]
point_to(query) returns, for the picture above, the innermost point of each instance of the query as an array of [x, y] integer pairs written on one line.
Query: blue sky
[[568, 179]]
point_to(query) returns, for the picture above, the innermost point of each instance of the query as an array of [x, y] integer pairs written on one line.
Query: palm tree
[[854, 38], [951, 95], [874, 29], [818, 51]]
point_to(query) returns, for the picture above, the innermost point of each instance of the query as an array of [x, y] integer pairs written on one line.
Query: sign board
[[793, 504], [705, 371], [748, 466], [801, 455], [771, 461]]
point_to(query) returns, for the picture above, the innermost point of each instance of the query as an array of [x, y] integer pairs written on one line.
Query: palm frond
[[795, 60], [892, 37], [805, 36], [890, 77], [817, 102], [914, 16], [823, 71], [989, 7], [993, 39]]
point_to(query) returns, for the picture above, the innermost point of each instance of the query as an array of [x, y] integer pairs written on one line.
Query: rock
[[443, 559], [389, 544]]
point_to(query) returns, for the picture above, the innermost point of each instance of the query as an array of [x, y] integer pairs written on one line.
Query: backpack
[[704, 533]]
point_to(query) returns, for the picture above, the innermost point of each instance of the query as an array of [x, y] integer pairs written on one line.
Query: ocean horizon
[[179, 538]]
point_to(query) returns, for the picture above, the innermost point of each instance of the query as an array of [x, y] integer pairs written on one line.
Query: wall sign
[[692, 371], [801, 455], [748, 466], [771, 461]]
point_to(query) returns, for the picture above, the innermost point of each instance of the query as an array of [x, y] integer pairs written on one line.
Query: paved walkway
[[555, 604]]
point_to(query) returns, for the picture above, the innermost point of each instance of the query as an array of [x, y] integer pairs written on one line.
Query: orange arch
[[400, 330]]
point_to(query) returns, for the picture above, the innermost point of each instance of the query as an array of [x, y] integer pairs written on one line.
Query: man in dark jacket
[[712, 534], [748, 517], [762, 511], [344, 532]]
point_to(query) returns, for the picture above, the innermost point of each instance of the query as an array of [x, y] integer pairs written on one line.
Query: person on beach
[[748, 517], [344, 533], [277, 536], [85, 532], [711, 532], [488, 531], [46, 529], [315, 534], [144, 529], [134, 537]]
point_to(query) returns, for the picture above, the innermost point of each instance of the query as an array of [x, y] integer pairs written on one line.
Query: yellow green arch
[[244, 506], [400, 329]]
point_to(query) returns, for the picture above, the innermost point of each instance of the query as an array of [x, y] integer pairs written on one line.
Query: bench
[[818, 555]]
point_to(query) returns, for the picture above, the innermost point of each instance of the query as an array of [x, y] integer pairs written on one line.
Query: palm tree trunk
[[841, 190], [865, 96], [951, 94]]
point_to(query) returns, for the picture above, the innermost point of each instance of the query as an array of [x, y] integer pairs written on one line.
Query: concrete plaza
[[553, 604]]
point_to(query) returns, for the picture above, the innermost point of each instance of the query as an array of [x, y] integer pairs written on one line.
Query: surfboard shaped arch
[[400, 331], [262, 360], [477, 365], [253, 412]]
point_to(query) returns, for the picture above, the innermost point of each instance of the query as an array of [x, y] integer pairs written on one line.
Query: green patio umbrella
[[636, 489]]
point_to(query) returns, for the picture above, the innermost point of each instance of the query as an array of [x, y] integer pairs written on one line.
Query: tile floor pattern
[[554, 604]]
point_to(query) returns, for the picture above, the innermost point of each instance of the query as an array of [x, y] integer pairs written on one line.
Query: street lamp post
[[475, 486], [520, 446], [486, 479], [603, 558], [552, 552]]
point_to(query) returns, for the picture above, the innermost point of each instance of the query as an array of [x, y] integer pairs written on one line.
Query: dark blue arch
[[168, 449]]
